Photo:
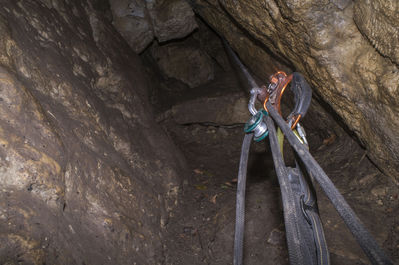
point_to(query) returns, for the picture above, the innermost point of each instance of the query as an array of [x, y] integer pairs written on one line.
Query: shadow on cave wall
[[112, 158]]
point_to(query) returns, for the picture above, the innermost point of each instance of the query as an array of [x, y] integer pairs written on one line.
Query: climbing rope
[[240, 209], [363, 237], [300, 210], [304, 231]]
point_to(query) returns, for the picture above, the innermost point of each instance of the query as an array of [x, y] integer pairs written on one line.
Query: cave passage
[[121, 125], [206, 123]]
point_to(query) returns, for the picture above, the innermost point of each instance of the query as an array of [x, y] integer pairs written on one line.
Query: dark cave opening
[[120, 137]]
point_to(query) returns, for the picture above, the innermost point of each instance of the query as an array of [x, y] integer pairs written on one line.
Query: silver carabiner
[[256, 124]]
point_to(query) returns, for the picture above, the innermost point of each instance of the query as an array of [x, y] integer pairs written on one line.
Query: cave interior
[[121, 130]]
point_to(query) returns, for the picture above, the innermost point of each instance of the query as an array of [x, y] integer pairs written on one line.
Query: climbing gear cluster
[[274, 92], [304, 230], [302, 220]]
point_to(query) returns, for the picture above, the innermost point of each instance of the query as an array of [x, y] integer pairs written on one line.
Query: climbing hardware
[[304, 232]]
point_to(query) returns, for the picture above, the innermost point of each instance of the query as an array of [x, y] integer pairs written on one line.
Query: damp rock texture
[[184, 61], [347, 50], [227, 110], [86, 176], [379, 22], [190, 62], [139, 21]]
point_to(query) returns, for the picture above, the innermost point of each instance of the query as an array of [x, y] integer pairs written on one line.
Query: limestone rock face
[[140, 21], [172, 19], [356, 74], [211, 43], [379, 22], [184, 61], [229, 109], [86, 176], [132, 21]]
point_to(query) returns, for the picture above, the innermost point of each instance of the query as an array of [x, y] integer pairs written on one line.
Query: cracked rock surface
[[139, 21], [86, 176]]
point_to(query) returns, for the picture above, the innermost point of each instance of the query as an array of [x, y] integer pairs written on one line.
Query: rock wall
[[184, 61], [379, 22], [86, 176], [353, 66], [163, 30], [139, 21]]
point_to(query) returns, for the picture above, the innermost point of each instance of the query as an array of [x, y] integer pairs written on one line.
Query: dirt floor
[[202, 230]]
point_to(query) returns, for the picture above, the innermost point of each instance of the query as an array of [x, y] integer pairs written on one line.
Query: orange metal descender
[[278, 83]]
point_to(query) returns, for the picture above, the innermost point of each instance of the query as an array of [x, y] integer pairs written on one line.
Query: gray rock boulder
[[139, 21], [131, 19], [185, 62], [172, 19]]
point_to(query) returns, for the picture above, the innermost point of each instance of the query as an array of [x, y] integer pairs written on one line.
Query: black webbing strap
[[304, 232], [302, 94], [311, 213], [240, 204], [363, 237]]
